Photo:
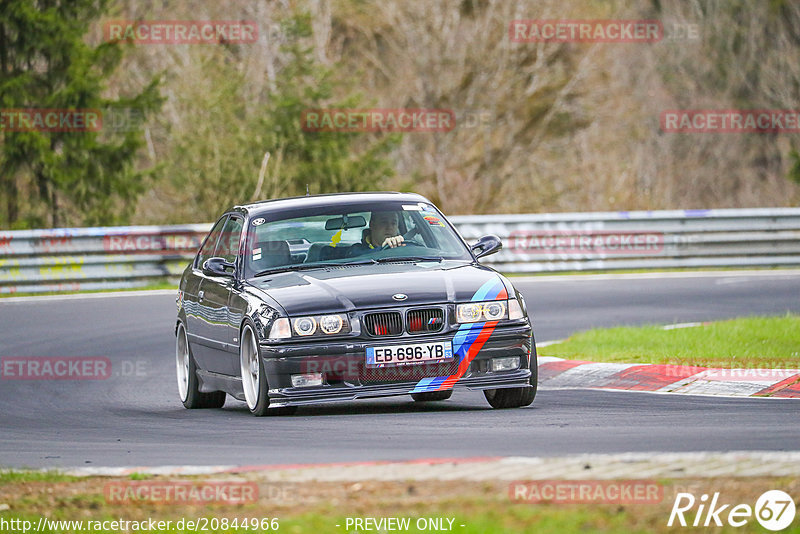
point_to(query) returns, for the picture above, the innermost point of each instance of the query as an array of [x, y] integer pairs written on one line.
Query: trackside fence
[[70, 259]]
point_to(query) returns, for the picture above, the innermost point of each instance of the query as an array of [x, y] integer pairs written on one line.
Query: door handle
[[200, 295]]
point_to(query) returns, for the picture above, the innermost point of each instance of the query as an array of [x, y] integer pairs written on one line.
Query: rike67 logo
[[774, 510]]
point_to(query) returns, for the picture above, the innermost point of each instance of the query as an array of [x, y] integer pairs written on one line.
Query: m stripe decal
[[468, 341]]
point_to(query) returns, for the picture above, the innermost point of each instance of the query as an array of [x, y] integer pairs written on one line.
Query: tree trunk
[[8, 186], [54, 209]]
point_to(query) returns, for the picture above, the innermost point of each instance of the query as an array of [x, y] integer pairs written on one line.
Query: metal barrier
[[83, 259], [768, 237], [74, 259]]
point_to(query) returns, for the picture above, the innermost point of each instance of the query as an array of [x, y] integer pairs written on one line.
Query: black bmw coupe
[[340, 297]]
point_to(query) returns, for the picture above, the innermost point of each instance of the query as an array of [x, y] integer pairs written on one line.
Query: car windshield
[[350, 234]]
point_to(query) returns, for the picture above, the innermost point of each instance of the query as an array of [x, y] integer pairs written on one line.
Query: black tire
[[516, 397], [188, 383], [431, 396], [254, 383]]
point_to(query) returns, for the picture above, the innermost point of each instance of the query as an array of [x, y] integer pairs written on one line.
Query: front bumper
[[347, 378]]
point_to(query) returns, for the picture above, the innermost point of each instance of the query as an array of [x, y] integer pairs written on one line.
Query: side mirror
[[218, 267], [488, 244]]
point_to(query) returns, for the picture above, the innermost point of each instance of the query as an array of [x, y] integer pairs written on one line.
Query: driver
[[383, 231]]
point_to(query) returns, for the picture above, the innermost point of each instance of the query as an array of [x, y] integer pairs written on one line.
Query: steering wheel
[[408, 242]]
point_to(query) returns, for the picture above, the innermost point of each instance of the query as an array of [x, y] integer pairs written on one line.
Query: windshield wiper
[[357, 262], [287, 268], [310, 266], [409, 258]]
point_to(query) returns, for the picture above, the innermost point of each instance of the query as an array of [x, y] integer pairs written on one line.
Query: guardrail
[[768, 237], [83, 259], [74, 259]]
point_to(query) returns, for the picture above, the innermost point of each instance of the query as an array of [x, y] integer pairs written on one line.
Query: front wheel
[[188, 384], [254, 380], [515, 397]]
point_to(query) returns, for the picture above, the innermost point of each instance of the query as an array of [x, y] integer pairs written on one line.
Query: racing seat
[[268, 254], [318, 252], [323, 252]]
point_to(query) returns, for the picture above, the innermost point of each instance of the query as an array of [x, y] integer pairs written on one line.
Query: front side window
[[210, 244], [228, 246], [349, 233]]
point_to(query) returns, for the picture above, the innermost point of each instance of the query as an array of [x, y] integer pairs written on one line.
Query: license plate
[[409, 354]]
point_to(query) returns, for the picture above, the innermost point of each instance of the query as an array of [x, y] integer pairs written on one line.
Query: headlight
[[305, 326], [474, 312], [321, 325], [331, 324], [494, 311], [468, 313]]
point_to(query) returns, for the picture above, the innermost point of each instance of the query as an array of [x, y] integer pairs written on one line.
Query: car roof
[[332, 199]]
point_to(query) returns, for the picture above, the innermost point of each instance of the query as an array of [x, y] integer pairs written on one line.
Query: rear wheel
[[254, 379], [188, 383], [515, 397], [430, 396]]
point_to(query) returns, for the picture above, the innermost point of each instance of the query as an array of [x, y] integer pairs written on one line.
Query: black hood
[[349, 288]]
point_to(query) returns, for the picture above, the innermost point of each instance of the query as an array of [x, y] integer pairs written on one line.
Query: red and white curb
[[577, 467], [557, 373]]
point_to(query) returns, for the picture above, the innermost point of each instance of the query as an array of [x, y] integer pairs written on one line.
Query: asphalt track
[[135, 419]]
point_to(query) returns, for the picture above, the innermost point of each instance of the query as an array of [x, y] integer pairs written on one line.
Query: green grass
[[480, 506], [481, 518], [9, 476], [498, 517], [751, 342]]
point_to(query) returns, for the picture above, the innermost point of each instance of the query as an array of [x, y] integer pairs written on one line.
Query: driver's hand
[[393, 242]]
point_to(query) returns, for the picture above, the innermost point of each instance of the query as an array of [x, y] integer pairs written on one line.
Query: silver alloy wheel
[[248, 359], [182, 362]]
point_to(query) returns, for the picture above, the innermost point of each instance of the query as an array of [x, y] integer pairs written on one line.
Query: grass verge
[[465, 507], [13, 476], [749, 342]]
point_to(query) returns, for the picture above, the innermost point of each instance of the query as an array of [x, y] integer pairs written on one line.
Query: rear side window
[[210, 244]]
